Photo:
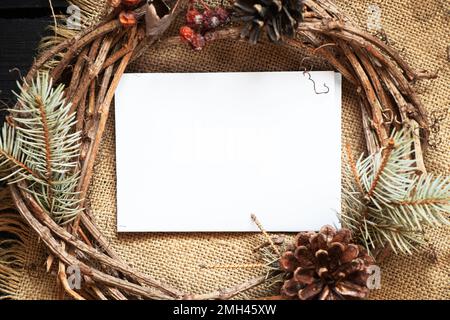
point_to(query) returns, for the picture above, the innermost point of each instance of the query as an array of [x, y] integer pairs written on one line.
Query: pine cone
[[325, 266], [277, 17]]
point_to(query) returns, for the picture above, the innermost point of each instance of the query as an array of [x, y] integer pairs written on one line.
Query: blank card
[[200, 152]]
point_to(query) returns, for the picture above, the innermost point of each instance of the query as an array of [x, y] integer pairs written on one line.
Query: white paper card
[[202, 151]]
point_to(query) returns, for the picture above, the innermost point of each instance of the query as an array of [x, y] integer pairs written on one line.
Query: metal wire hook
[[390, 118], [397, 121], [314, 84], [302, 67], [436, 118], [18, 72]]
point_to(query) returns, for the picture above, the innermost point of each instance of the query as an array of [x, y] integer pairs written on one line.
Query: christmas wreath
[[52, 137]]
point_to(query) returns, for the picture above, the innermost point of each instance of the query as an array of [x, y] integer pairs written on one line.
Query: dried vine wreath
[[381, 77]]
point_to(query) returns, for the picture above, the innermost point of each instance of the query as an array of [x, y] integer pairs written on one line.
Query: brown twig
[[52, 52], [264, 232], [92, 252], [371, 139], [87, 169], [46, 235], [63, 280], [76, 73], [237, 266], [117, 56], [91, 72], [404, 110], [225, 294], [80, 115], [81, 43], [385, 102], [377, 116], [353, 168], [98, 293]]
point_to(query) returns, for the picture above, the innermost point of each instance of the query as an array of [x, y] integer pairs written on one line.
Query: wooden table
[[22, 25]]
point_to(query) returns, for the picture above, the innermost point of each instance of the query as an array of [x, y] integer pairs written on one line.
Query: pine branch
[[386, 155], [45, 149], [387, 203], [11, 161], [48, 153], [423, 202], [48, 157], [15, 163]]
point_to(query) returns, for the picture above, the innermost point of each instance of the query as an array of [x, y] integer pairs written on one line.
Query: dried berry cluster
[[199, 22]]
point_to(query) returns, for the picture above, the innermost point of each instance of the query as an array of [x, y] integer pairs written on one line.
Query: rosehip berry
[[198, 41], [222, 14], [186, 33], [194, 17], [127, 19], [130, 3], [210, 20]]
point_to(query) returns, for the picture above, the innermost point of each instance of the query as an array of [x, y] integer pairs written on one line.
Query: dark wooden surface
[[22, 25], [27, 4]]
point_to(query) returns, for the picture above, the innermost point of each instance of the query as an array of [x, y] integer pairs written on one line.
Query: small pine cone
[[325, 266], [277, 18]]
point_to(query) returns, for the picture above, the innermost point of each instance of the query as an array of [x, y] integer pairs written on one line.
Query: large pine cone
[[276, 17], [325, 266]]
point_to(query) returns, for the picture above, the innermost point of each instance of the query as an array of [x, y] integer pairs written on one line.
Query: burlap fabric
[[419, 30]]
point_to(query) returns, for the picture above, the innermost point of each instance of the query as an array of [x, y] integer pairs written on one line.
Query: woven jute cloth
[[419, 31]]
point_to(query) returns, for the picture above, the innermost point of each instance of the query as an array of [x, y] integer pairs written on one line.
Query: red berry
[[127, 19], [186, 33], [130, 3], [222, 14], [194, 17], [198, 41], [211, 20]]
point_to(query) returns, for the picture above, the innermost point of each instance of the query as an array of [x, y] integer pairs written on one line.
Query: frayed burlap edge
[[13, 238]]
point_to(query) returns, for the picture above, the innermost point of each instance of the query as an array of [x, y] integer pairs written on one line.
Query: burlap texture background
[[420, 30]]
